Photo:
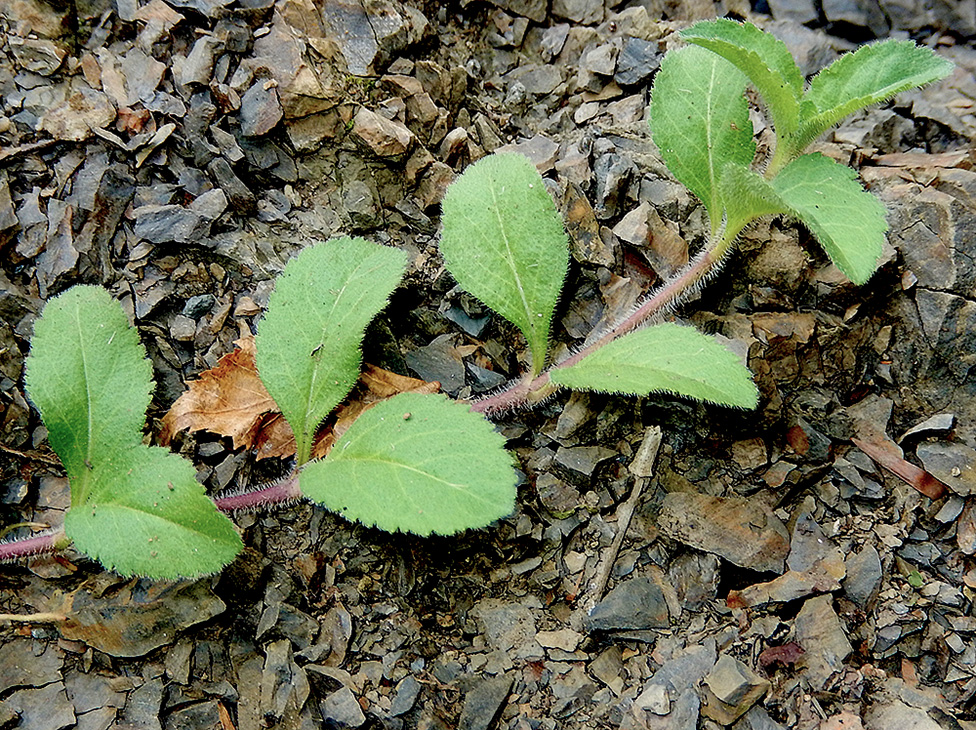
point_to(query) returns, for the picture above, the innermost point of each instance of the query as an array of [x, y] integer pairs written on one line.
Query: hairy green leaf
[[503, 242], [137, 509], [417, 463], [88, 375], [700, 122], [764, 59], [308, 344], [870, 75], [665, 358], [748, 196], [147, 515], [847, 220]]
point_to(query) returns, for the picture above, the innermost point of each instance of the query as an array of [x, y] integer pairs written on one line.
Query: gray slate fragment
[[438, 361], [8, 218], [861, 13], [950, 463], [385, 137], [506, 625], [210, 204], [587, 12], [44, 708], [260, 109], [637, 61], [798, 11], [197, 716], [170, 224], [284, 685], [739, 530], [531, 9], [240, 196], [688, 669], [28, 663], [583, 459], [757, 719], [197, 67], [634, 604], [863, 576], [825, 644], [612, 172], [141, 711], [341, 709], [405, 697], [484, 701], [897, 714], [92, 691]]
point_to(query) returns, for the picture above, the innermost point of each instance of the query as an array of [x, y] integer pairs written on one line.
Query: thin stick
[[34, 618], [643, 469]]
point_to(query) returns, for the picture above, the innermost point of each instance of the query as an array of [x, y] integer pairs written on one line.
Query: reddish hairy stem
[[28, 546], [670, 292], [285, 491]]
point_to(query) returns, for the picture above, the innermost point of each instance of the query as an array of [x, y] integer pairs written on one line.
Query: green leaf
[[666, 358], [870, 75], [417, 463], [137, 509], [504, 242], [147, 515], [764, 59], [748, 196], [88, 375], [700, 122], [848, 221], [308, 344]]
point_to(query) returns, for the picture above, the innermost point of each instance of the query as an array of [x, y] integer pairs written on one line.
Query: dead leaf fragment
[[886, 453], [231, 400]]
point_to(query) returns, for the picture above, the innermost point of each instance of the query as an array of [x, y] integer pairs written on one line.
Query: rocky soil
[[669, 565]]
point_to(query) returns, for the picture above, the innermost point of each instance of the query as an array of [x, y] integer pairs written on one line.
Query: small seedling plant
[[423, 463]]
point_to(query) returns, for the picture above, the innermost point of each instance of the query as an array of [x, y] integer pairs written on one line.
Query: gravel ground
[[669, 565]]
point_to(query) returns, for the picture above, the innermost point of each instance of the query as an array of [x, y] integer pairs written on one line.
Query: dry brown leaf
[[887, 454], [231, 400]]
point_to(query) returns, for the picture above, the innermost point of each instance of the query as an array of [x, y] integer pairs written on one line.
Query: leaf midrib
[[83, 492], [400, 465], [510, 260]]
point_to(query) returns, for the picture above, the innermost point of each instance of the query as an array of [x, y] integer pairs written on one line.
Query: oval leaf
[[870, 75], [88, 375], [847, 220], [763, 58], [147, 515], [503, 242], [417, 463], [308, 344], [700, 122], [665, 358]]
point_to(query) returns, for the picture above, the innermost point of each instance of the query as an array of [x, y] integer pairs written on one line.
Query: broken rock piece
[[731, 689], [739, 530], [385, 137]]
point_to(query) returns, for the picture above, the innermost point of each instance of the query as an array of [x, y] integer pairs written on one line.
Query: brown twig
[[643, 469]]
